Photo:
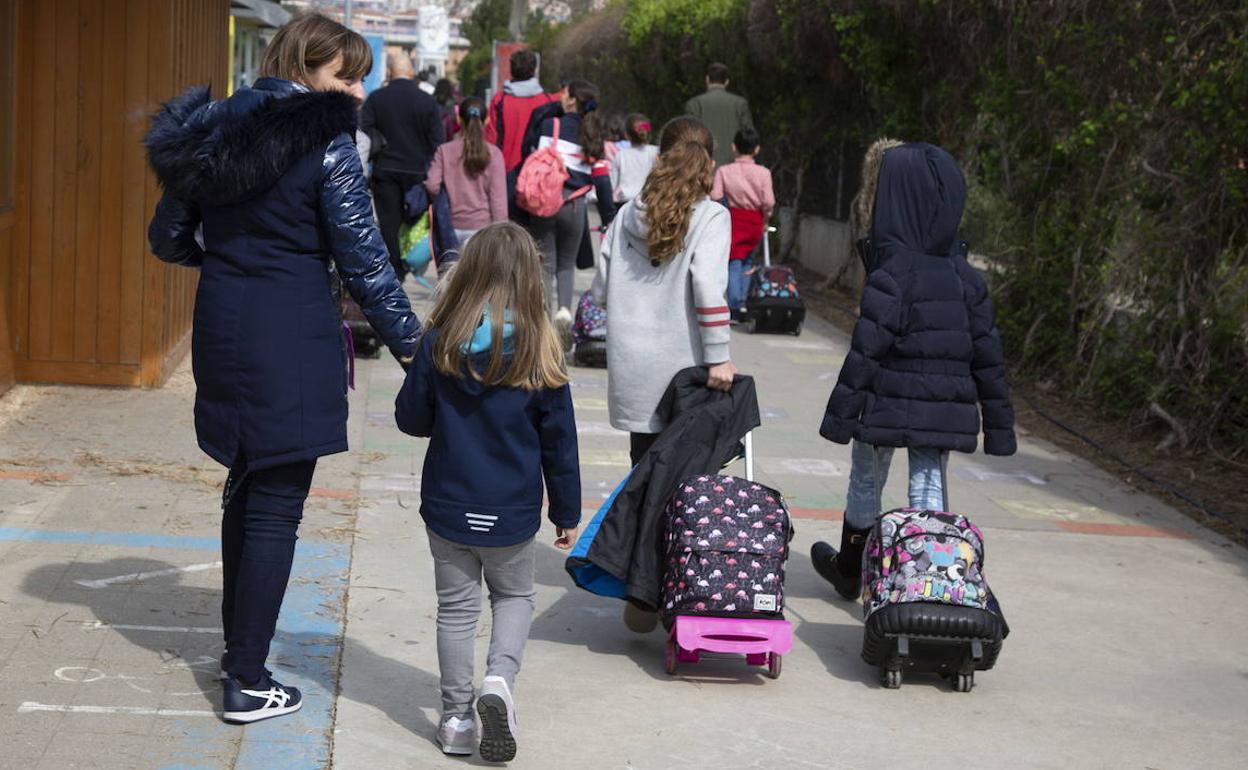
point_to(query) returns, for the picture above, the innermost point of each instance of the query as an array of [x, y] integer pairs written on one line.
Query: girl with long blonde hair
[[489, 389]]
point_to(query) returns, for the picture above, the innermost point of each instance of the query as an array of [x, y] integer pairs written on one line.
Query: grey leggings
[[457, 571], [559, 238]]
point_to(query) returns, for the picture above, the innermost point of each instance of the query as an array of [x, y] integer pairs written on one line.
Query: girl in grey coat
[[662, 277]]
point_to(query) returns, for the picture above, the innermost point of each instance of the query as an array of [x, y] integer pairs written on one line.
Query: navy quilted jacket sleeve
[[346, 214], [171, 233], [879, 322], [988, 367]]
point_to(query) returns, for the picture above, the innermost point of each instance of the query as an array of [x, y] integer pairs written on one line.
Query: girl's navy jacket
[[489, 449], [926, 356]]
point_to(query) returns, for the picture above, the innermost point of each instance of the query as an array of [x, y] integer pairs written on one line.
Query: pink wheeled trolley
[[723, 583], [763, 642]]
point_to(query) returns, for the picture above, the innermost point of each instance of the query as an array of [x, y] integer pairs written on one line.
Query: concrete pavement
[[1127, 619]]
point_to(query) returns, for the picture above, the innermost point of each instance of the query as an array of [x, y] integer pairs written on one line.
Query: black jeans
[[639, 444], [389, 187], [258, 533]]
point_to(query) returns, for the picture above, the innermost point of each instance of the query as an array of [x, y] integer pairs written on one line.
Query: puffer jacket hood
[[919, 202], [223, 152]]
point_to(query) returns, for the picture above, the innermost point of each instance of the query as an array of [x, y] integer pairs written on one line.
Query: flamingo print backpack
[[727, 543]]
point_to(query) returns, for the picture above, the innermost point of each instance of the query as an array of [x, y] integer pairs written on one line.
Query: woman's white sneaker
[[458, 735], [498, 720]]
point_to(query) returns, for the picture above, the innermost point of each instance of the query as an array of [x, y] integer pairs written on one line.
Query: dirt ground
[[1215, 482]]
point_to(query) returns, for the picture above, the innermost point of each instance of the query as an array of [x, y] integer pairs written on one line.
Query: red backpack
[[539, 187]]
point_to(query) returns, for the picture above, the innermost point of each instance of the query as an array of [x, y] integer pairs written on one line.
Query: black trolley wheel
[[890, 676], [963, 682], [774, 661], [671, 654]]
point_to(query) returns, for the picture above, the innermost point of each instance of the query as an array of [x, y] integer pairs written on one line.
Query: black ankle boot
[[842, 569]]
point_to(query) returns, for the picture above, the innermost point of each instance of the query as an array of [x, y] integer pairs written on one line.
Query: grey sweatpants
[[457, 571], [559, 238]]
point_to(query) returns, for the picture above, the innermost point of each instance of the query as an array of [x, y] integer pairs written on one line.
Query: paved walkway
[[1128, 620]]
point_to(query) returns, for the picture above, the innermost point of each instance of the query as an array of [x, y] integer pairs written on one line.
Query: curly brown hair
[[683, 175]]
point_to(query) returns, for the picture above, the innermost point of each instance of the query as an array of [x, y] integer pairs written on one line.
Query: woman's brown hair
[[309, 43], [500, 269], [682, 176], [476, 153], [593, 124]]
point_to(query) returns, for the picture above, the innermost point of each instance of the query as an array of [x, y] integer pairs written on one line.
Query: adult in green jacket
[[724, 113]]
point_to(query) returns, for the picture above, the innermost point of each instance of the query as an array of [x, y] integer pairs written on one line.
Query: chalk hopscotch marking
[[136, 577], [797, 345], [590, 404], [597, 429], [980, 473], [32, 707], [1066, 512], [807, 466], [811, 358], [605, 457]]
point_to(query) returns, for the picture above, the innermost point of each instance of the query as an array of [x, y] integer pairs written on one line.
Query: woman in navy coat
[[264, 193]]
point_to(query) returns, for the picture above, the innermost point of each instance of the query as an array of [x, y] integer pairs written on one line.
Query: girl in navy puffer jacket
[[926, 358]]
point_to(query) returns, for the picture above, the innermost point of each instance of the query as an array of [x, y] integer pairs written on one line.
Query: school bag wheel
[[774, 661], [927, 603]]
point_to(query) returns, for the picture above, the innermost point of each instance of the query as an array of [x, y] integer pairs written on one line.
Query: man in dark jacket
[[723, 113], [926, 356], [405, 128]]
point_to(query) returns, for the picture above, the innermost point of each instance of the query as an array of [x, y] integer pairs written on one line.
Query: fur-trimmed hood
[[218, 153]]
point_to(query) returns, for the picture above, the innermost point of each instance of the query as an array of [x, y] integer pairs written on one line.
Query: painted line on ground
[[139, 540], [332, 494], [1120, 530], [136, 577], [33, 476], [100, 624], [31, 707]]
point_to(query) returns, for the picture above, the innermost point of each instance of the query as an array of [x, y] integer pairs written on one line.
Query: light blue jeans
[[926, 490], [737, 287]]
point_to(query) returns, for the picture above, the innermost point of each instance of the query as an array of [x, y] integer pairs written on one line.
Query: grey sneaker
[[458, 735], [498, 720], [563, 325]]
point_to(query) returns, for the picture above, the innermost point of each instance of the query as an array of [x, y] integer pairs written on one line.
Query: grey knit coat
[[661, 319]]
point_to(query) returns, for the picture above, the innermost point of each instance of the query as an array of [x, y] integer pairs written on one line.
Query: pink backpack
[[539, 188]]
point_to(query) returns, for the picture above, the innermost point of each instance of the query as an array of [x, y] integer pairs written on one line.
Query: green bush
[[1105, 145]]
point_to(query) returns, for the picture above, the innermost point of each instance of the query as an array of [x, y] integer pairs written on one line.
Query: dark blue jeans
[[258, 533]]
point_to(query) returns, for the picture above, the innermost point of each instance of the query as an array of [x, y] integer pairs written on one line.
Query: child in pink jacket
[[747, 186]]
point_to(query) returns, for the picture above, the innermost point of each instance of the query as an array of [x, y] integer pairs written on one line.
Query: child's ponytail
[[593, 123], [476, 153]]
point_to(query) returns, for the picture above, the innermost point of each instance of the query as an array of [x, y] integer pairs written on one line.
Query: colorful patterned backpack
[[924, 556], [727, 543], [773, 282], [591, 320]]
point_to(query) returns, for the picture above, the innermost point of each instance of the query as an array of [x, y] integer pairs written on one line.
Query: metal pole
[[346, 15]]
